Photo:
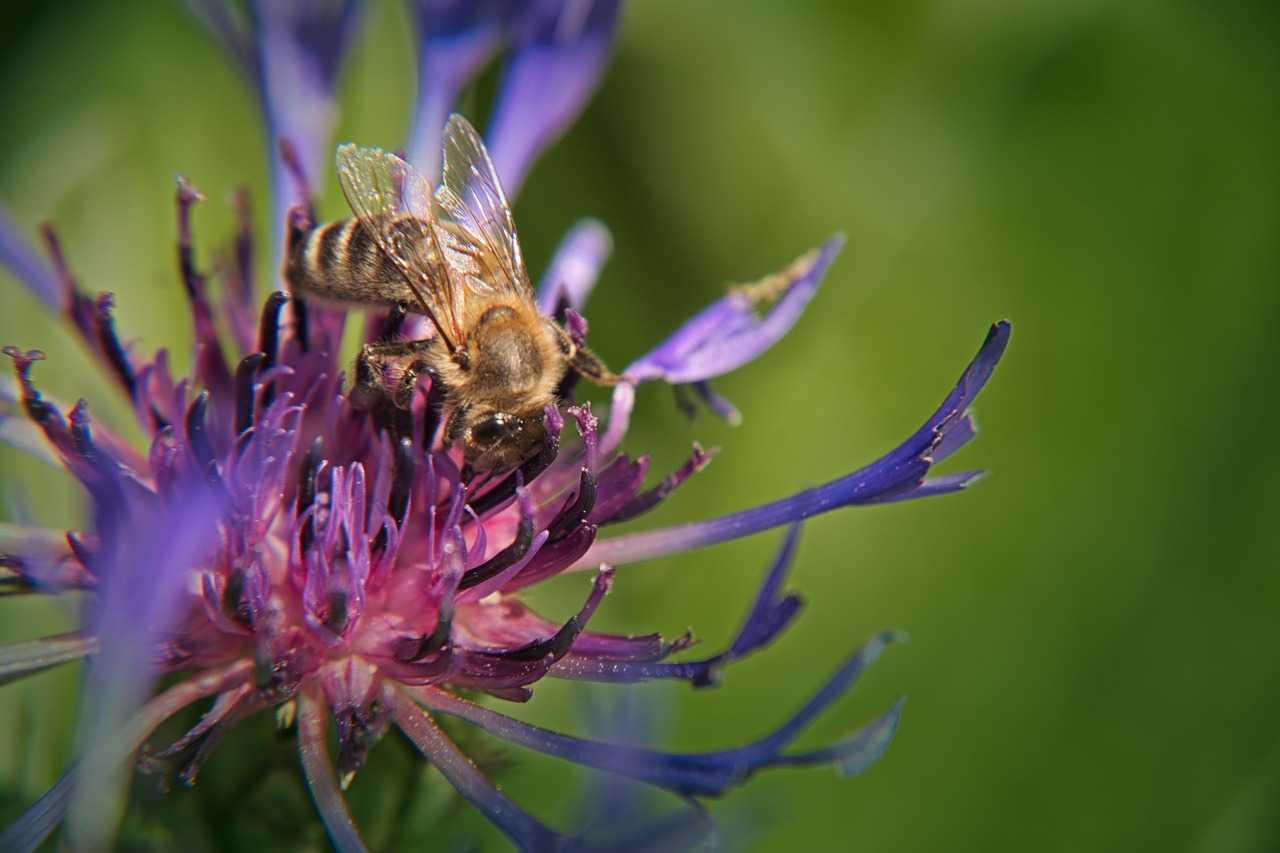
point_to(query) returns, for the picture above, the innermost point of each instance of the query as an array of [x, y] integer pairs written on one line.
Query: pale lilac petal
[[731, 332], [26, 265], [19, 660], [456, 39], [321, 780], [560, 52], [574, 267]]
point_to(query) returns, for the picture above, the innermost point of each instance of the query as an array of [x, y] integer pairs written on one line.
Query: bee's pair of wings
[[452, 242]]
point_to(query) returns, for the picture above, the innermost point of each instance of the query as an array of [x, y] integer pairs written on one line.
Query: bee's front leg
[[387, 372], [583, 361]]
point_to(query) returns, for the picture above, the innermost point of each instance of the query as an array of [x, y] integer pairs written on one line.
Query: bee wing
[[477, 232], [394, 204]]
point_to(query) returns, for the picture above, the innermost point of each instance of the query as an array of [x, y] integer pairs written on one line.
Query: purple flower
[[273, 547]]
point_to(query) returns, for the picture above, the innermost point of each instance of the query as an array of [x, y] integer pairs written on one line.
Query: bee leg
[[409, 380], [586, 363], [386, 372], [583, 361]]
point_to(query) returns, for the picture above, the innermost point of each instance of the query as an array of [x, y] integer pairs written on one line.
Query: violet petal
[[898, 475], [526, 832], [560, 51], [26, 265], [456, 38], [321, 780], [704, 774]]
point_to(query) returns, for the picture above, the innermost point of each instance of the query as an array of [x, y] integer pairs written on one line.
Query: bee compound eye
[[495, 427]]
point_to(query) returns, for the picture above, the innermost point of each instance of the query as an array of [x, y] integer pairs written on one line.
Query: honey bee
[[453, 256]]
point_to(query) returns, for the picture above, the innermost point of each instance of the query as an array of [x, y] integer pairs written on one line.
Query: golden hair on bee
[[450, 253]]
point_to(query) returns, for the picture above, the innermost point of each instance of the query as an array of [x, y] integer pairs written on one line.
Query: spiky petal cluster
[[271, 546]]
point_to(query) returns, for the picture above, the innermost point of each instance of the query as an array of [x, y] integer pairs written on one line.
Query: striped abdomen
[[340, 262]]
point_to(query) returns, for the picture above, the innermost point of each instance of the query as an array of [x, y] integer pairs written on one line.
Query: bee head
[[495, 441]]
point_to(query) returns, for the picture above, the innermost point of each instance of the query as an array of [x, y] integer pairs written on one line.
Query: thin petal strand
[[526, 832], [22, 659], [899, 475], [321, 779], [769, 617], [703, 774]]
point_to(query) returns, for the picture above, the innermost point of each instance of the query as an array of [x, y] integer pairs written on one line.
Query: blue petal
[[899, 475], [769, 617], [702, 774]]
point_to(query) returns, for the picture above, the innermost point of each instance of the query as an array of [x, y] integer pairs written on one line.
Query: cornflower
[[275, 547]]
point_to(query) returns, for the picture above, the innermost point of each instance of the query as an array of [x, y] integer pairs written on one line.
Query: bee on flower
[[350, 553]]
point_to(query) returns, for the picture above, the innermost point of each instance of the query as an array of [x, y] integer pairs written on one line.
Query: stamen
[[198, 436], [109, 344], [269, 327], [505, 558], [307, 494], [575, 510], [246, 372]]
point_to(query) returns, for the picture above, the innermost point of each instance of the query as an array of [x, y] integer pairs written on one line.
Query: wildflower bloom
[[275, 547]]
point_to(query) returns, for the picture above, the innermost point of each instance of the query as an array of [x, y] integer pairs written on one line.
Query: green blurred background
[[1095, 654]]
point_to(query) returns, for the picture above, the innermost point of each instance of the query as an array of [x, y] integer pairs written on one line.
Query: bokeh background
[[1095, 639]]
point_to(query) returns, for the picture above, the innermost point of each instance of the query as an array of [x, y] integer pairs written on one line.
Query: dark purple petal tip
[[769, 617], [899, 475], [702, 774]]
